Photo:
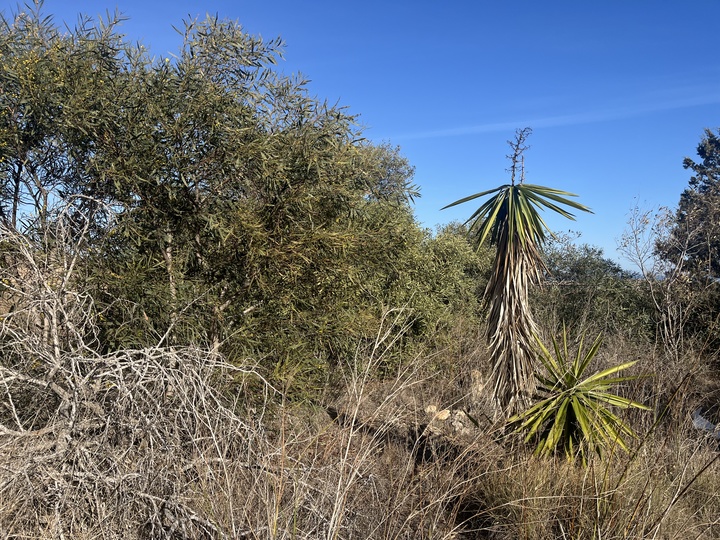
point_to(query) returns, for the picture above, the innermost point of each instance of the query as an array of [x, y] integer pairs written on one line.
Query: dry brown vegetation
[[177, 443]]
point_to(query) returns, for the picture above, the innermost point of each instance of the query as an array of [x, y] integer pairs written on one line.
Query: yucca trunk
[[511, 325]]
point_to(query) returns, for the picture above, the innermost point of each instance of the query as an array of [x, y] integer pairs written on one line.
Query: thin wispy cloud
[[650, 104]]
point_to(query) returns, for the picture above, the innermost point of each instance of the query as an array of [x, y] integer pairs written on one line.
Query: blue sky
[[617, 92]]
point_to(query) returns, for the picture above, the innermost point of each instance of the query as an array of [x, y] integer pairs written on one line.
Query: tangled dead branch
[[119, 438], [111, 445]]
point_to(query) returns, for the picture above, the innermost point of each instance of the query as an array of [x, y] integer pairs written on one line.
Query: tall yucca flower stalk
[[511, 220]]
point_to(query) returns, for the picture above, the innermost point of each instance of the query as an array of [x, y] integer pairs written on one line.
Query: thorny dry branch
[[115, 440]]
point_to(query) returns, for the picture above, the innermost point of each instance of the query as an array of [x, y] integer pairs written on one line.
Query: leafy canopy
[[216, 201]]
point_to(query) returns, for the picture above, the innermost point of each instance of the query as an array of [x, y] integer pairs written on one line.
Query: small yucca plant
[[574, 414]]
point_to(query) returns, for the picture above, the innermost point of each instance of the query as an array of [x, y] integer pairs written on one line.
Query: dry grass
[[175, 443]]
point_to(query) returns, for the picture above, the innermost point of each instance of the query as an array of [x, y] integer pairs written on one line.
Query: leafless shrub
[[159, 443], [666, 277], [123, 439], [101, 446]]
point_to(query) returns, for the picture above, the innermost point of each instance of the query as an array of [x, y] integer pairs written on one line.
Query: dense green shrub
[[589, 292], [217, 202]]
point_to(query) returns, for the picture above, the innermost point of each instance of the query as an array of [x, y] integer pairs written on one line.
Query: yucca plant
[[574, 414], [511, 220]]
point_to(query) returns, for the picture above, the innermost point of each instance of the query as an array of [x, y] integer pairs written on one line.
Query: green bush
[[591, 293]]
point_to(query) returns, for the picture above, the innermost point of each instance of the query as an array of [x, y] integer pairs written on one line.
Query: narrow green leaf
[[475, 196], [609, 371]]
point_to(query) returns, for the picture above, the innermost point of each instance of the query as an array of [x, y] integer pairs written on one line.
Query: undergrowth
[[177, 443]]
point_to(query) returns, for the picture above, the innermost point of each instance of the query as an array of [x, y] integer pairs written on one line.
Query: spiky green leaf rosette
[[574, 413]]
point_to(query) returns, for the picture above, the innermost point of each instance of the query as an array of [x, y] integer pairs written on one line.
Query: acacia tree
[[243, 213], [511, 221], [52, 87]]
